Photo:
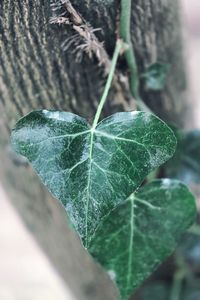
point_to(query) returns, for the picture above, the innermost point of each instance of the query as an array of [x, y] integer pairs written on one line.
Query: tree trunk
[[36, 73]]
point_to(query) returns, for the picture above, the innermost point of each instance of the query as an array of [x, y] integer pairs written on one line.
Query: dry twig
[[88, 42]]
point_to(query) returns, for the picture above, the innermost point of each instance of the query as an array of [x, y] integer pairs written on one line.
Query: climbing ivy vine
[[97, 172]]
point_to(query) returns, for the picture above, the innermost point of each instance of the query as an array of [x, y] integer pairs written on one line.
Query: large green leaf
[[185, 165], [141, 232], [91, 170]]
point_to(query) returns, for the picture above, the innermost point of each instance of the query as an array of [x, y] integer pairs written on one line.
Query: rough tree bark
[[36, 73]]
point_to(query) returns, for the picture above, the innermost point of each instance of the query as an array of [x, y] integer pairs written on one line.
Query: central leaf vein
[[89, 185], [130, 256]]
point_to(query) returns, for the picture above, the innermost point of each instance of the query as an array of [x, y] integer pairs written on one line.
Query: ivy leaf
[[155, 76], [185, 165], [91, 170], [142, 231]]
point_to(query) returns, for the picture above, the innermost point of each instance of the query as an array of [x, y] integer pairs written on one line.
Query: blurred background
[[191, 32], [25, 273]]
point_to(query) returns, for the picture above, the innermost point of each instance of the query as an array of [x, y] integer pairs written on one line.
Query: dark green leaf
[[185, 165], [155, 76], [91, 171], [142, 231]]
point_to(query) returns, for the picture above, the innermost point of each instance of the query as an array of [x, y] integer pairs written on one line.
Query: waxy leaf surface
[[91, 170], [141, 232]]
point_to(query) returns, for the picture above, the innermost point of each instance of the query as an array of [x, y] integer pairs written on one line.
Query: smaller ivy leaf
[[92, 170], [155, 76], [185, 165], [143, 231]]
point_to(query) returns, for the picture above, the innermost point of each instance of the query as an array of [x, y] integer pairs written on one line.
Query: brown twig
[[89, 43], [85, 41]]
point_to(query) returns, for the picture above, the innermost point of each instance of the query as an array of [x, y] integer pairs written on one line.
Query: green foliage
[[185, 164], [90, 172], [155, 76], [141, 232], [95, 172]]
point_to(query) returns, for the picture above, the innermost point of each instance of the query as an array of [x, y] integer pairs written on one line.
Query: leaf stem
[[125, 33], [118, 48]]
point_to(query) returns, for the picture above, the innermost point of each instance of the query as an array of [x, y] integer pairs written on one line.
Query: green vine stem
[[126, 45], [125, 33], [118, 48]]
